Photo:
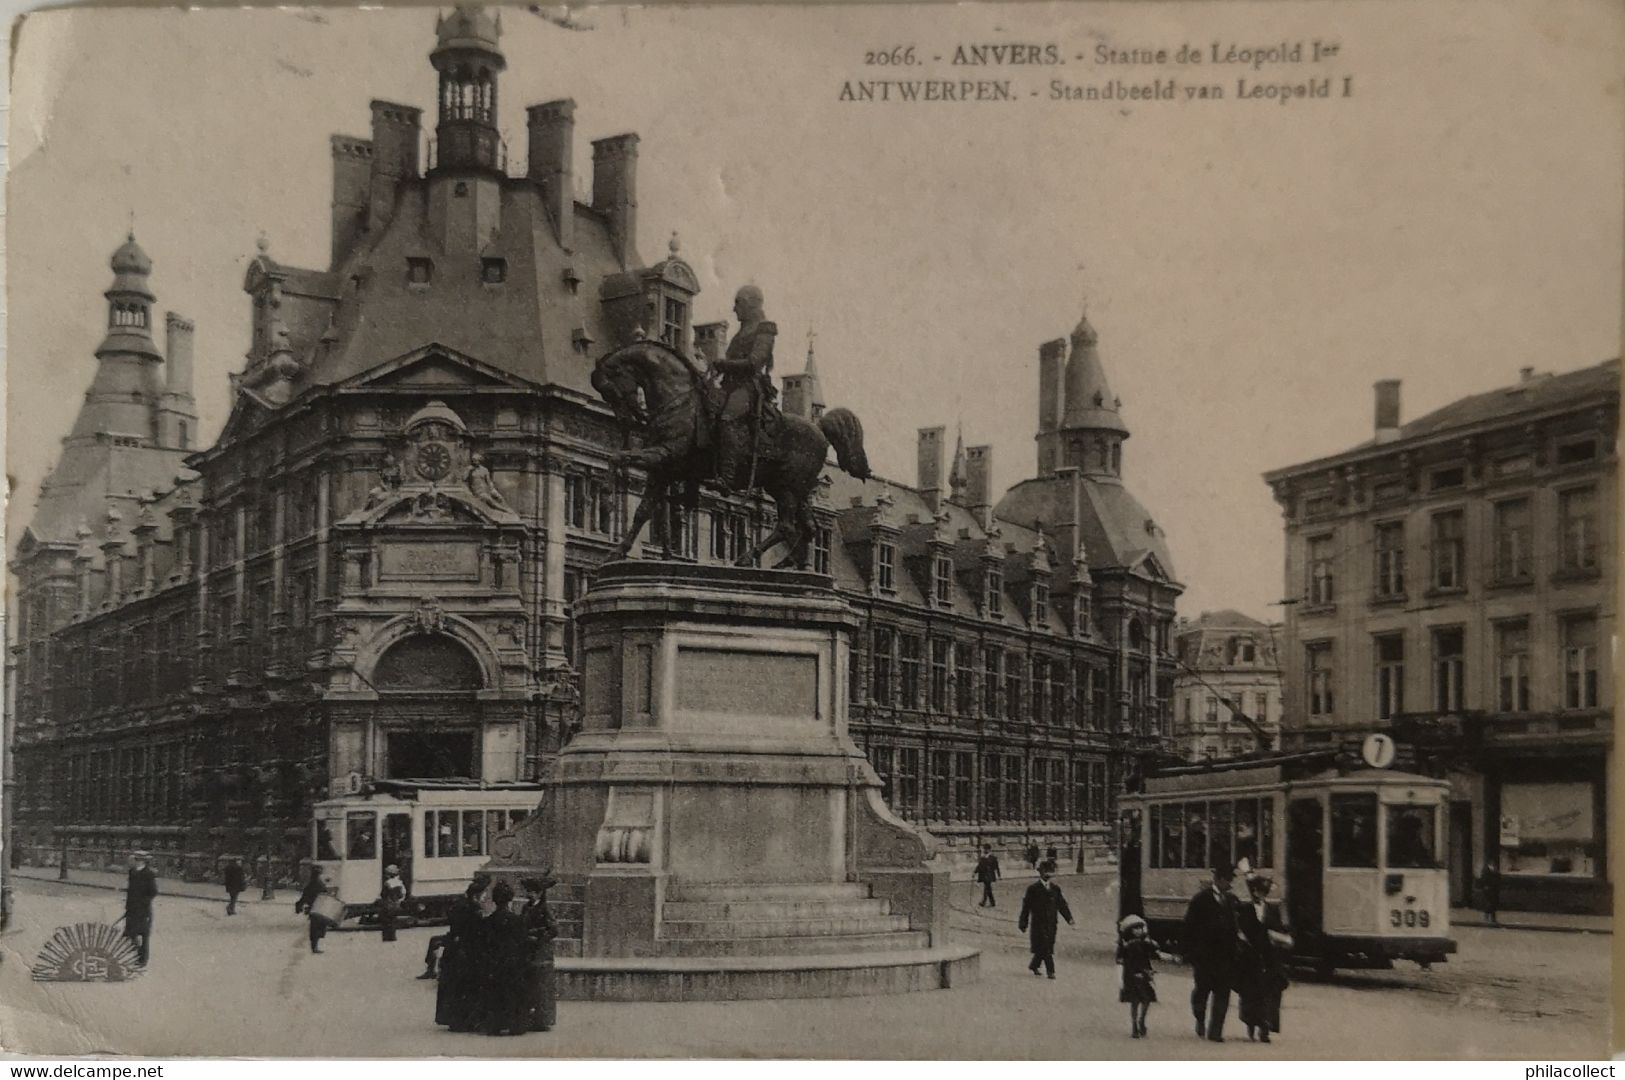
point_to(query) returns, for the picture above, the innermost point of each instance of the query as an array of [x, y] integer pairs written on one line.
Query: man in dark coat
[[1210, 940], [987, 872], [236, 882], [1039, 910], [139, 891], [315, 886], [456, 998]]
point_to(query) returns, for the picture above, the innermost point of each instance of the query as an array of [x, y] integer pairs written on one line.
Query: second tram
[[436, 832]]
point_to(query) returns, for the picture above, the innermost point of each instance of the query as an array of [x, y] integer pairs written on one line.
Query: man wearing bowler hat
[[1210, 942]]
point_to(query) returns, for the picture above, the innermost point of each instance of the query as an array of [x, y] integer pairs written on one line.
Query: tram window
[[495, 822], [325, 848], [361, 835], [1173, 835], [1247, 832], [1195, 834], [1219, 830], [1153, 856], [472, 833], [1410, 837], [516, 816], [445, 831], [1354, 830]]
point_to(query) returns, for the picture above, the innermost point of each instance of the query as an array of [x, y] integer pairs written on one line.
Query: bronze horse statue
[[658, 392]]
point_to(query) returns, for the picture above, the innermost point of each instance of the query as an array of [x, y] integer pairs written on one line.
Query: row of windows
[[1578, 658], [1005, 788], [1509, 561], [1208, 833], [142, 783], [1216, 710], [909, 671]]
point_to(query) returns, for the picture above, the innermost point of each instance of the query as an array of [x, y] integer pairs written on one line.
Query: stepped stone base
[[715, 833], [749, 978]]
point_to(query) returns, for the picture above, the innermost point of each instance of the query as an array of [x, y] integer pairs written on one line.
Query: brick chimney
[[1387, 410], [552, 153], [352, 176], [711, 341], [177, 354], [929, 470], [1051, 401], [979, 483], [615, 192], [396, 131]]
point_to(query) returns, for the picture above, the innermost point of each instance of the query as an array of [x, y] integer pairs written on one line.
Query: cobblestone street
[[248, 986]]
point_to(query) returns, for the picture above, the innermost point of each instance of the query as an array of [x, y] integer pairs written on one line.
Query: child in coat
[[1136, 951]]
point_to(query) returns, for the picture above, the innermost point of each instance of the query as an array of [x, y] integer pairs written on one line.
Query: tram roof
[[409, 788], [1270, 769]]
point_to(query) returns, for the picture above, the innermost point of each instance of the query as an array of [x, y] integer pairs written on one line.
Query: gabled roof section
[[435, 366]]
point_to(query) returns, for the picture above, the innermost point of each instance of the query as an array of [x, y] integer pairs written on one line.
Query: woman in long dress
[[1263, 975], [456, 996]]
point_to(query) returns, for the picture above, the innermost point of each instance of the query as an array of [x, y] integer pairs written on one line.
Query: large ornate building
[[1454, 579], [369, 574]]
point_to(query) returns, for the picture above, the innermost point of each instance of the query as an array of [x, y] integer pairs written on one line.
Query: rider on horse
[[747, 389]]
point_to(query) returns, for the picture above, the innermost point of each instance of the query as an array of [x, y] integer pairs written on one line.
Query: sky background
[[1252, 268]]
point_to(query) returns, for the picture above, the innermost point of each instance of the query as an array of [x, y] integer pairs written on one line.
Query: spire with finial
[[958, 476]]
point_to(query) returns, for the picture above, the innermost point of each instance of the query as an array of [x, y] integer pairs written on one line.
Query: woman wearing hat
[[390, 899], [1262, 975]]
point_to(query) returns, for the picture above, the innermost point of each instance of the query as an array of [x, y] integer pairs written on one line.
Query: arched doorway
[[426, 684]]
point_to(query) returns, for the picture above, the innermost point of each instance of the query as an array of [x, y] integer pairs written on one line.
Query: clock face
[[433, 461]]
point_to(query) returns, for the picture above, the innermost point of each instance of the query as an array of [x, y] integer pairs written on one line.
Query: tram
[[436, 832], [1356, 851]]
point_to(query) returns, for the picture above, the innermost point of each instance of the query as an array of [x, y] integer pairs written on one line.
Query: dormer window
[[994, 603], [674, 322], [1040, 602], [419, 271], [493, 271], [942, 580], [572, 280], [581, 340], [820, 549], [1080, 614], [886, 567]]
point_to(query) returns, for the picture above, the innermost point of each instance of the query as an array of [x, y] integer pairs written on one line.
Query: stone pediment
[[430, 504], [432, 367]]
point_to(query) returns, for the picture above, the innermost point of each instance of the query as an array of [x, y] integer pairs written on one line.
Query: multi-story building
[[369, 574], [1227, 695], [1454, 586]]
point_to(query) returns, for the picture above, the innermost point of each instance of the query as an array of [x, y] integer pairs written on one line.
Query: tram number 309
[[1396, 917]]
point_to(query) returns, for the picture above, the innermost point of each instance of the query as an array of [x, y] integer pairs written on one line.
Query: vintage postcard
[[1024, 531]]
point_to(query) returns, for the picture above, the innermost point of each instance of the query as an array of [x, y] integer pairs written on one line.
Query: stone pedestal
[[714, 831]]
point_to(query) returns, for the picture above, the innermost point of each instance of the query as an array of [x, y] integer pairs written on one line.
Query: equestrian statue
[[695, 430]]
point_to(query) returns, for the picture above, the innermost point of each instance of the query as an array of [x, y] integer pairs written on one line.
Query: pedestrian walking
[[1209, 941], [987, 872], [540, 991], [1136, 951], [236, 881], [390, 900], [139, 891], [504, 1004], [1032, 855], [457, 1004], [1261, 972], [315, 886], [1489, 892], [1041, 911]]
